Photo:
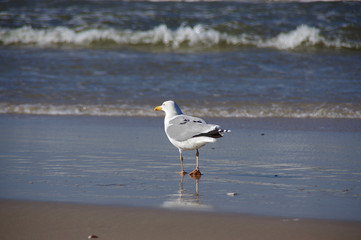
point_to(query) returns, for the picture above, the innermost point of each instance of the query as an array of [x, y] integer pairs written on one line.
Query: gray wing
[[183, 127]]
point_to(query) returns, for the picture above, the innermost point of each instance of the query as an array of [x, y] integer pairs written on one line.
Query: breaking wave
[[245, 111], [184, 36]]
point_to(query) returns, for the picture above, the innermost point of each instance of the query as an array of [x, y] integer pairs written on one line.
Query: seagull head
[[170, 108]]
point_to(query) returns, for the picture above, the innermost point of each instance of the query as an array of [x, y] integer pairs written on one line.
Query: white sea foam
[[57, 35], [76, 110], [158, 35], [198, 35], [245, 111], [290, 40]]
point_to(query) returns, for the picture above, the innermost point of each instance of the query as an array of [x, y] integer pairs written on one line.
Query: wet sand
[[287, 168], [44, 220]]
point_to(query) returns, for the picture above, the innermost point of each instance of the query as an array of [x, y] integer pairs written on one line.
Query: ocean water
[[216, 59]]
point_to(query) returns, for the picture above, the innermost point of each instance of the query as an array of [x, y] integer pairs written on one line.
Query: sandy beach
[[43, 220]]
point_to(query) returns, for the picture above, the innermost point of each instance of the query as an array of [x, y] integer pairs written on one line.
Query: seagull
[[187, 132]]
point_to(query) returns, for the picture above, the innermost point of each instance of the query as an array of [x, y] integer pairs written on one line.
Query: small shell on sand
[[92, 236], [232, 194]]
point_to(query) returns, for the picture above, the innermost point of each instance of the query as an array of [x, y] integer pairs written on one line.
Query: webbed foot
[[196, 172]]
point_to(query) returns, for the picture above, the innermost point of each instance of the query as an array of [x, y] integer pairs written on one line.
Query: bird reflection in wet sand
[[187, 201]]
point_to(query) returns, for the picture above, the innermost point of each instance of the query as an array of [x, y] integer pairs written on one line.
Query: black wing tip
[[216, 133]]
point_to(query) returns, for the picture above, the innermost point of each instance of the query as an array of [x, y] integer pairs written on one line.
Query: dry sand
[[52, 221]]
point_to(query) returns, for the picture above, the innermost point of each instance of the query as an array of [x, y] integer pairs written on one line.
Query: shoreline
[[268, 123], [50, 220]]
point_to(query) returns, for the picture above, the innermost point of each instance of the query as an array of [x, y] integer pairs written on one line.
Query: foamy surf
[[184, 36], [303, 35], [245, 110]]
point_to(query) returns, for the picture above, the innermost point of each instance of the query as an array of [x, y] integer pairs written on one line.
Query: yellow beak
[[158, 108]]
